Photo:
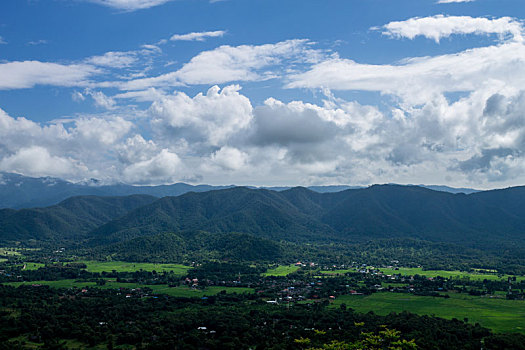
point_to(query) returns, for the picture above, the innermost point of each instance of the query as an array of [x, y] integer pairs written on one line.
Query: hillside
[[300, 215], [18, 191], [483, 219], [70, 219]]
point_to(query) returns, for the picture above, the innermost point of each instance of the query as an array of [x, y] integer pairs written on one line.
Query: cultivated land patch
[[281, 270], [179, 291], [122, 266], [410, 271], [500, 315], [32, 266]]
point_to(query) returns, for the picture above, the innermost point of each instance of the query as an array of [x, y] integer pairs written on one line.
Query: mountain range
[[18, 191], [482, 219]]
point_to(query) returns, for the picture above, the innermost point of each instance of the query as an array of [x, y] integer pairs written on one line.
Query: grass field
[[281, 270], [121, 266], [499, 315], [406, 271], [9, 252], [159, 289], [336, 272], [33, 266]]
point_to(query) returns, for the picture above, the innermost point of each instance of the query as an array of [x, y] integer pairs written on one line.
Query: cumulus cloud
[[129, 5], [198, 36], [27, 74], [160, 168], [233, 63], [136, 149], [230, 158], [204, 119], [440, 26], [85, 144], [36, 161], [219, 137]]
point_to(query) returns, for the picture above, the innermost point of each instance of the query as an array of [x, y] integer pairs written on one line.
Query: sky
[[264, 92]]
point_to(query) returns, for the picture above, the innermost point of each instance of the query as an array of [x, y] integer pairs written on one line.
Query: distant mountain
[[263, 213], [450, 189], [300, 215], [18, 191], [70, 219], [484, 219]]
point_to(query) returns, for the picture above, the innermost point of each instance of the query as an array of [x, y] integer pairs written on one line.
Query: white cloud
[[82, 143], [2, 41], [27, 74], [229, 158], [161, 168], [417, 80], [36, 161], [198, 36], [218, 137], [104, 131], [438, 27], [136, 149], [208, 119], [130, 5], [453, 1], [114, 59], [37, 42], [77, 96], [100, 99], [149, 95], [234, 63]]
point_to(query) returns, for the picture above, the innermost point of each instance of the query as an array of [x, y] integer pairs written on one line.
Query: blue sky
[[264, 92]]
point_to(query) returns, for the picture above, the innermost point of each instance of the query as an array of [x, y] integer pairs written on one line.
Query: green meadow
[[336, 272], [122, 266], [410, 271], [500, 315], [33, 266], [281, 270], [179, 291]]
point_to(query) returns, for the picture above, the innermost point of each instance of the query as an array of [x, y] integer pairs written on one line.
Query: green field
[[157, 288], [122, 266], [33, 266], [8, 252], [500, 315], [336, 272], [281, 270], [410, 271]]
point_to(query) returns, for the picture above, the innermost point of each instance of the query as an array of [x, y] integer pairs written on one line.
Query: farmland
[[281, 270], [499, 315], [410, 271], [179, 291], [121, 266]]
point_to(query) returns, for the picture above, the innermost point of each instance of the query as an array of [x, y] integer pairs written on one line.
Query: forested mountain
[[69, 219], [480, 219], [298, 214], [261, 212], [18, 191]]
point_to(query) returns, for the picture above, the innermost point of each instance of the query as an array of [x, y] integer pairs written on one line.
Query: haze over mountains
[[18, 191]]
